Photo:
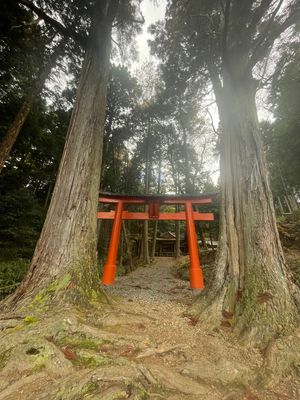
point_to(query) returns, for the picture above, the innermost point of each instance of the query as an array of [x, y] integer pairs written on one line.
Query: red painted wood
[[110, 266], [153, 213], [179, 216], [196, 276], [163, 200]]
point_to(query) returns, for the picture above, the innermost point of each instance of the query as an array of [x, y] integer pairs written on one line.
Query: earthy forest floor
[[145, 346]]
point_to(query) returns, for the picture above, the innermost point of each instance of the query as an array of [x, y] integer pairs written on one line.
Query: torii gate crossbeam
[[154, 214]]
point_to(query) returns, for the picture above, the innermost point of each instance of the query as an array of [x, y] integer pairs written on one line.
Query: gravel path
[[154, 291], [156, 283], [171, 338]]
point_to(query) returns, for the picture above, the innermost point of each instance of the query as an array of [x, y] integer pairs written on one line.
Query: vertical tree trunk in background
[[203, 240], [289, 200], [177, 235], [293, 202], [121, 250], [177, 223], [280, 206], [128, 246], [65, 255], [188, 185], [155, 227], [251, 284], [287, 203], [154, 237], [146, 256], [15, 128]]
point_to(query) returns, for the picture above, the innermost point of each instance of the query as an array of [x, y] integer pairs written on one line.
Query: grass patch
[[89, 359], [4, 357], [11, 274], [81, 341]]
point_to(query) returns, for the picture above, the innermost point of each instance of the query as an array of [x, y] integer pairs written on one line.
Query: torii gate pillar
[[196, 275], [153, 213], [110, 266]]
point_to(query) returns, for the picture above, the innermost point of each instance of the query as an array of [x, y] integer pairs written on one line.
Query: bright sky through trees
[[152, 12]]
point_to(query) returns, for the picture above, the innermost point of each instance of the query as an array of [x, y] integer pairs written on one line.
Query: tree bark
[[128, 247], [280, 206], [252, 292], [155, 227], [187, 177], [16, 126], [64, 264], [146, 256], [177, 234]]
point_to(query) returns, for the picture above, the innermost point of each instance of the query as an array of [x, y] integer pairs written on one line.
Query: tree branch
[[212, 122], [258, 13], [215, 79], [225, 31], [263, 35], [262, 49], [81, 39]]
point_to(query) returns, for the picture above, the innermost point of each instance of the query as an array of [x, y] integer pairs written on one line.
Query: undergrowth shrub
[[11, 274]]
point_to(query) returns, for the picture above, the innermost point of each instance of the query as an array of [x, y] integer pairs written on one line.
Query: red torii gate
[[154, 202]]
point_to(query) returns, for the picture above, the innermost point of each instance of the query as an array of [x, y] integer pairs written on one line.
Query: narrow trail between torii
[[193, 361]]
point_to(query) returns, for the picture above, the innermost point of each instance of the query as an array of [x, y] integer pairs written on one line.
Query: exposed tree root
[[282, 358], [138, 350]]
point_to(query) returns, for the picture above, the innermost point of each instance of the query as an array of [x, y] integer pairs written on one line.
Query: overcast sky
[[151, 13]]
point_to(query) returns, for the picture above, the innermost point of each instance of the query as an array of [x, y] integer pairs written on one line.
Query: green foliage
[[21, 220], [282, 137], [30, 319], [11, 274], [22, 48], [118, 174]]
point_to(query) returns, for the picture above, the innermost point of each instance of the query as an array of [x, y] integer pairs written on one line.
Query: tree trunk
[[16, 126], [293, 202], [155, 227], [128, 247], [146, 256], [177, 235], [280, 206], [252, 292], [187, 177], [64, 264], [203, 240]]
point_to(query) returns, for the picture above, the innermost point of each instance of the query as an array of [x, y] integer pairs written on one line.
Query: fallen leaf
[[69, 353], [225, 324], [227, 314], [127, 351]]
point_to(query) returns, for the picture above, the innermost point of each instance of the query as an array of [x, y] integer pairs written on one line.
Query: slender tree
[[12, 134]]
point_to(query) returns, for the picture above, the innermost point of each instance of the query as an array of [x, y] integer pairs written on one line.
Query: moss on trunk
[[252, 292], [64, 264]]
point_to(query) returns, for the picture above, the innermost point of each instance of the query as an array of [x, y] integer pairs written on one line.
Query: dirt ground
[[147, 346]]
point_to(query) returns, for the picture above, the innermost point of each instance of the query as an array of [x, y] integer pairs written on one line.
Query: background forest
[[160, 135]]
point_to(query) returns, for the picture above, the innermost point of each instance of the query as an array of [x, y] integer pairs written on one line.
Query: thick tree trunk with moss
[[64, 265], [16, 126], [252, 291]]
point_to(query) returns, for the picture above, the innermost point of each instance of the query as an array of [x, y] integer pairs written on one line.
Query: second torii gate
[[154, 214]]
